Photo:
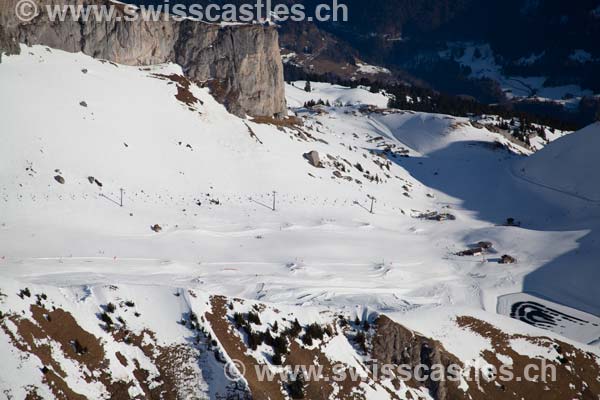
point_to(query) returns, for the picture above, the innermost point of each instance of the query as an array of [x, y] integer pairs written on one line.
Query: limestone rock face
[[241, 63], [394, 344]]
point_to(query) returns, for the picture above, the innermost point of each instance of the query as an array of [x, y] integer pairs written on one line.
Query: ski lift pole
[[372, 202]]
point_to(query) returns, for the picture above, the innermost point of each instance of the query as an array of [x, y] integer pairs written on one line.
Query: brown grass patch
[[58, 326], [121, 359], [287, 122], [184, 94], [172, 363]]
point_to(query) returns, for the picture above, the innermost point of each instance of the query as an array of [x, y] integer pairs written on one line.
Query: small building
[[435, 216], [485, 245], [506, 259], [512, 222], [477, 251]]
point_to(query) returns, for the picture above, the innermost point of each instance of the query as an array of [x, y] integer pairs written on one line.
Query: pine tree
[[280, 345], [315, 331], [294, 330], [276, 359], [268, 338], [254, 340], [254, 318], [307, 339], [361, 340], [296, 387], [307, 87], [238, 319]]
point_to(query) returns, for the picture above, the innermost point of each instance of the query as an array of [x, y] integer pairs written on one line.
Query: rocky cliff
[[241, 63]]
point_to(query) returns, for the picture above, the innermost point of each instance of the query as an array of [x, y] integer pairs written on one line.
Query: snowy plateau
[[148, 238]]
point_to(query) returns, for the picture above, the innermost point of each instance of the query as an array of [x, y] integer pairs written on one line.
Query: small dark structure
[[485, 245], [506, 259], [156, 228], [435, 216], [512, 222], [477, 251]]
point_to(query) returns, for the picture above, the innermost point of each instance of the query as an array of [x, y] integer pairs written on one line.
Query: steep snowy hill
[[576, 160], [277, 213]]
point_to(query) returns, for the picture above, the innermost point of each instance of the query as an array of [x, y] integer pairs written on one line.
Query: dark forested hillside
[[551, 39]]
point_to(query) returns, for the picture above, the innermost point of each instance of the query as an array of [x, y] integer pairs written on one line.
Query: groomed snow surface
[[207, 179]]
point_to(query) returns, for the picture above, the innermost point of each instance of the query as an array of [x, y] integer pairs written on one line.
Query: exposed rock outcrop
[[313, 158], [394, 344], [241, 63]]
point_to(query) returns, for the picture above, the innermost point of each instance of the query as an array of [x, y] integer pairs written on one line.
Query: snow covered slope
[[334, 94], [219, 205], [576, 160]]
